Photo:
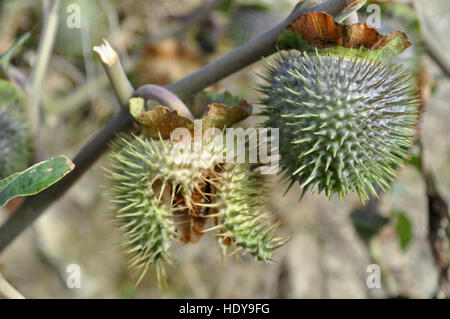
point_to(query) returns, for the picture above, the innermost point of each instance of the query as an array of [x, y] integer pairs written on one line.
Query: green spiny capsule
[[240, 199], [344, 122], [14, 143], [164, 196], [143, 219]]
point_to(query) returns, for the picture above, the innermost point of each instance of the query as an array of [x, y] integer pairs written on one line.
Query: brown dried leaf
[[161, 119], [220, 116], [320, 30]]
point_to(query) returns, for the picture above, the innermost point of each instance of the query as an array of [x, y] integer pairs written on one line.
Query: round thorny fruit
[[14, 143], [345, 123]]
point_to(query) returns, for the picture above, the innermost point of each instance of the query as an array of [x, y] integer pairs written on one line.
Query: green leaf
[[415, 161], [367, 224], [403, 228], [34, 179], [4, 182]]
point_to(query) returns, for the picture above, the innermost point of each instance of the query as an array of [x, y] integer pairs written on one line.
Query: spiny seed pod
[[344, 122], [164, 196], [240, 192], [144, 221], [14, 143]]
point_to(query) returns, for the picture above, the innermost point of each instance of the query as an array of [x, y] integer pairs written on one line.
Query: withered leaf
[[319, 30], [220, 116], [161, 121]]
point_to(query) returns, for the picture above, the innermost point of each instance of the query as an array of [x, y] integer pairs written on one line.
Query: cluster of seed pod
[[162, 199], [346, 118]]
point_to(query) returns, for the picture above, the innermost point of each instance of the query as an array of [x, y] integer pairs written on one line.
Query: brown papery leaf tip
[[320, 30]]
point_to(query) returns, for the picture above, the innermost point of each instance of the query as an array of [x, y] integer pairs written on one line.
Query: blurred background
[[332, 243]]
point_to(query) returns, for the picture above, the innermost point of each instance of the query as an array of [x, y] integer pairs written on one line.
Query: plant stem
[[436, 55], [8, 291], [165, 97], [241, 57], [38, 72], [438, 219], [116, 74], [45, 45], [434, 51]]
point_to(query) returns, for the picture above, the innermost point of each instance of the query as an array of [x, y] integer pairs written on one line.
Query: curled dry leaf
[[161, 121], [221, 116], [319, 30]]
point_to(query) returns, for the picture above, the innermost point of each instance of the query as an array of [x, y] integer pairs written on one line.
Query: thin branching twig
[[8, 291]]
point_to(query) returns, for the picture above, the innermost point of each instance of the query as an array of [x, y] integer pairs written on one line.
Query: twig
[[438, 220], [353, 18], [8, 291], [45, 45], [436, 55], [164, 96], [243, 56], [113, 67], [89, 63], [431, 47], [49, 262]]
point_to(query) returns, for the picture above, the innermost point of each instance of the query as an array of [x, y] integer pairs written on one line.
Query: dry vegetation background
[[325, 257]]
